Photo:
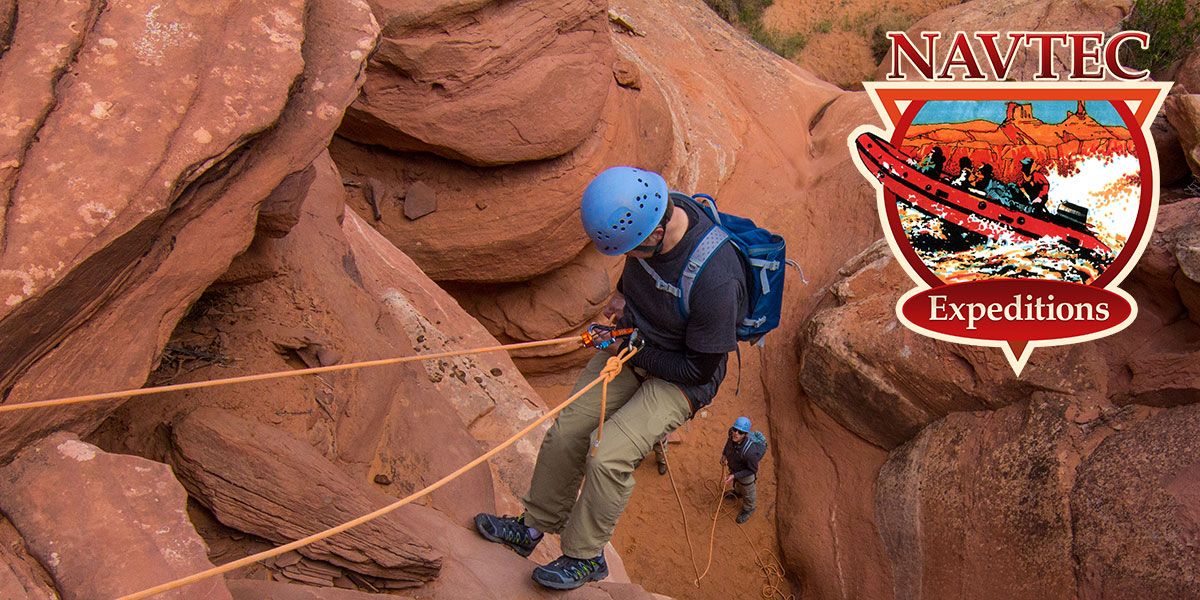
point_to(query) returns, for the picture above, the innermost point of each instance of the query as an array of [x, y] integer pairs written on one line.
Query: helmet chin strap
[[653, 250], [656, 249]]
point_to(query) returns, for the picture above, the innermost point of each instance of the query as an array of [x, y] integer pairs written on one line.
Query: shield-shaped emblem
[[1017, 208]]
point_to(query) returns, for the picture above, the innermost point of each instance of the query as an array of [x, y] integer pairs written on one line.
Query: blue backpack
[[763, 255]]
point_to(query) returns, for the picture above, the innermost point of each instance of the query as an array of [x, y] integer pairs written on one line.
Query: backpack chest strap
[[697, 260]]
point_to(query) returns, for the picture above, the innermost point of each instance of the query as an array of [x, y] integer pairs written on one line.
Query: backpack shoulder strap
[[697, 260]]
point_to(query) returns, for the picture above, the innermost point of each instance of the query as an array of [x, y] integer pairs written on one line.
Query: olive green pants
[[637, 415]]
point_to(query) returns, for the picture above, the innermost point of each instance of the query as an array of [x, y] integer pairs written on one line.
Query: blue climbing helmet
[[742, 424], [621, 207]]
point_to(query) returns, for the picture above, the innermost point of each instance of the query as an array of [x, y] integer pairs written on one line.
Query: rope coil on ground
[[610, 371], [773, 572]]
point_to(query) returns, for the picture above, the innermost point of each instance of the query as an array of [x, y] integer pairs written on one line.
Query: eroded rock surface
[[238, 470], [485, 83], [130, 503], [134, 159]]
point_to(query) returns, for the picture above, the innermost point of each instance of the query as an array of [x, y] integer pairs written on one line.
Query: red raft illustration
[[974, 211]]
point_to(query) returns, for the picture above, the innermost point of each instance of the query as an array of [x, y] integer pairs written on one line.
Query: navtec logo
[[1016, 207]]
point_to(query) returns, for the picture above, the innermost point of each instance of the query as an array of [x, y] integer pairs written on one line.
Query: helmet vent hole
[[641, 205]]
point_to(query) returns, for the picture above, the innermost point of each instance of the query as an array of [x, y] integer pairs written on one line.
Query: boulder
[[236, 469], [884, 382], [141, 148], [1135, 511], [1012, 15], [22, 577], [973, 506], [1187, 77], [1183, 112], [131, 503], [512, 223], [485, 83], [1172, 163]]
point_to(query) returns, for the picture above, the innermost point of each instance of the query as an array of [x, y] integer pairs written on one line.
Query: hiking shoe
[[744, 516], [662, 468], [510, 531], [567, 573]]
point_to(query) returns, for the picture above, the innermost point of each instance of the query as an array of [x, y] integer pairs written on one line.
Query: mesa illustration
[[1019, 189]]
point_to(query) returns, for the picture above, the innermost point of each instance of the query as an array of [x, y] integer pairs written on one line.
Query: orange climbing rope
[[686, 530], [610, 371], [178, 387], [712, 534], [772, 588]]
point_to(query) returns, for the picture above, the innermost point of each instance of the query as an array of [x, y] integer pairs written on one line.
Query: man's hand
[[729, 479], [616, 307], [723, 460]]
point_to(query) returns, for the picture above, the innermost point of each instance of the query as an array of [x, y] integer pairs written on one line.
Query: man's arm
[[684, 368]]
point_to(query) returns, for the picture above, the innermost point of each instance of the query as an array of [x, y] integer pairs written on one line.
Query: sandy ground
[[650, 535], [840, 32]]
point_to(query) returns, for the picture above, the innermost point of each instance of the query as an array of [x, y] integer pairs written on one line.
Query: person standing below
[[675, 373], [743, 450]]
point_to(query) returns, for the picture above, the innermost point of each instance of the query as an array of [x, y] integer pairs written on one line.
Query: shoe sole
[[491, 538], [554, 585]]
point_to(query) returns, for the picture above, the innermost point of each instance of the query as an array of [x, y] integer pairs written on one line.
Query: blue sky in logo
[[1049, 111]]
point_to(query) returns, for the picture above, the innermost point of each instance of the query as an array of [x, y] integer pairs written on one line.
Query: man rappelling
[[676, 372]]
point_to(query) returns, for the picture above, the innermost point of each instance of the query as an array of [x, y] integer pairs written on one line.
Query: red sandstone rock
[[1183, 111], [105, 228], [511, 223], [885, 383], [557, 304], [1135, 511], [972, 507], [486, 83], [316, 302], [280, 212], [22, 577], [129, 533], [257, 479], [1172, 163], [225, 460], [248, 589], [486, 391]]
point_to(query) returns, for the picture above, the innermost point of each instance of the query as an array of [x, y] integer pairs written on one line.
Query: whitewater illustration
[[1043, 189]]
